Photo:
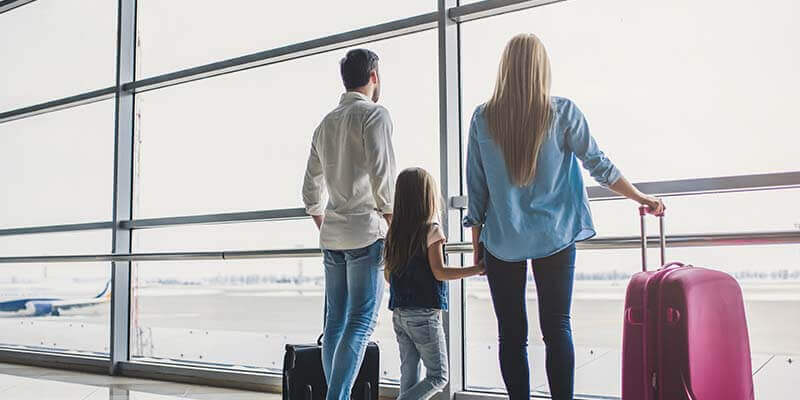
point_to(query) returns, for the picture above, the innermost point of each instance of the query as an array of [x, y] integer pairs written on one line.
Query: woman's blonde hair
[[519, 112], [416, 207]]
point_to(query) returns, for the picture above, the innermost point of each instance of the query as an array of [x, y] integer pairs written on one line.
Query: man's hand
[[318, 219]]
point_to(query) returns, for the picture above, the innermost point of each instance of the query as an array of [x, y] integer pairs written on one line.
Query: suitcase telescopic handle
[[643, 211]]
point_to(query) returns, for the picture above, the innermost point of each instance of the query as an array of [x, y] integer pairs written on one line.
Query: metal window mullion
[[453, 247], [58, 104], [288, 52], [450, 180], [8, 5], [491, 8], [123, 186]]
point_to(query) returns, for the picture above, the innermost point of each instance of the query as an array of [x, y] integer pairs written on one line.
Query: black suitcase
[[304, 379]]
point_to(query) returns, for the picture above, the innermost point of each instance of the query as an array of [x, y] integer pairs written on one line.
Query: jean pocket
[[371, 253], [422, 331]]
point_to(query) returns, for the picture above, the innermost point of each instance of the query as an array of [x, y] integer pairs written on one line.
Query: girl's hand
[[481, 267]]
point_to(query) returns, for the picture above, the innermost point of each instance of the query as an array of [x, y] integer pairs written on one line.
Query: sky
[[671, 90]]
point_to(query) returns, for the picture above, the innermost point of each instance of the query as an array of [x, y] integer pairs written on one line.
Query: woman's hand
[[656, 206], [623, 187]]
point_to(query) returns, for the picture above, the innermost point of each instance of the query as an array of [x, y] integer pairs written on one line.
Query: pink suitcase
[[685, 334]]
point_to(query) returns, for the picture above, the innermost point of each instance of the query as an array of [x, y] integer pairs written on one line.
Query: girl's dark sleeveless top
[[416, 287]]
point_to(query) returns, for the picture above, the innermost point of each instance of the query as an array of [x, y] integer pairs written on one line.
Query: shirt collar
[[351, 97]]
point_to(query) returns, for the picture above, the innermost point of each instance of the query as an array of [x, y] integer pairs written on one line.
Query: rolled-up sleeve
[[313, 184], [477, 189], [581, 142], [381, 164]]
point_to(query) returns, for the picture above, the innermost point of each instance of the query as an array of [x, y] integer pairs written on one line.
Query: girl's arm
[[444, 273]]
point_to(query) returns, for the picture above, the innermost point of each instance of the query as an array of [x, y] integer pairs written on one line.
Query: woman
[[527, 201]]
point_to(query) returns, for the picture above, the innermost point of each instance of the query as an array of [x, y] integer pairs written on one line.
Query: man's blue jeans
[[353, 291]]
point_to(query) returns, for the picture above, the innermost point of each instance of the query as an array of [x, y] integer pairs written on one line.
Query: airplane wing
[[73, 304], [64, 305], [41, 306]]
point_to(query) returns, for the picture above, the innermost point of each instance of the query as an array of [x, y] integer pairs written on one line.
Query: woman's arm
[[444, 273], [476, 238], [581, 142], [477, 188], [623, 187]]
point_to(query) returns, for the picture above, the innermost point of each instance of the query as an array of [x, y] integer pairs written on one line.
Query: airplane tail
[[106, 291]]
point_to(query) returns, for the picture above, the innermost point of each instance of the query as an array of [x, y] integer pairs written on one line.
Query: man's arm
[[381, 163], [313, 186], [318, 219]]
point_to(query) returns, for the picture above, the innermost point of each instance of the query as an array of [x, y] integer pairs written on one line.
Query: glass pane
[[670, 89], [53, 49], [241, 141], [243, 303], [54, 244], [57, 168], [234, 236], [55, 306], [768, 210], [249, 27], [60, 307], [769, 276], [238, 313], [220, 312]]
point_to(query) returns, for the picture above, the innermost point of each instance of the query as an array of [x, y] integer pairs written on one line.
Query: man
[[352, 156]]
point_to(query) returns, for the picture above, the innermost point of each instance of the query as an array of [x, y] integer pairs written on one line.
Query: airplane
[[40, 307]]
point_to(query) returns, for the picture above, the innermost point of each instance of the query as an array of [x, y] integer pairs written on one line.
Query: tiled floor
[[19, 382]]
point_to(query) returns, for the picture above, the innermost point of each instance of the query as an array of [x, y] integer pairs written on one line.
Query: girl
[[416, 271]]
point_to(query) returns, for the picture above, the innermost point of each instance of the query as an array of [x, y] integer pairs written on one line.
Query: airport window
[[233, 313], [55, 306], [241, 141], [219, 312], [711, 212], [660, 103], [297, 234], [67, 309], [46, 55], [53, 244], [675, 93], [56, 168], [217, 33], [663, 103], [768, 276]]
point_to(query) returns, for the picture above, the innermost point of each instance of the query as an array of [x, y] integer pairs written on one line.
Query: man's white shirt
[[352, 158]]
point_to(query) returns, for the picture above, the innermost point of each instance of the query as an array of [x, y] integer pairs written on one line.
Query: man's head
[[359, 69]]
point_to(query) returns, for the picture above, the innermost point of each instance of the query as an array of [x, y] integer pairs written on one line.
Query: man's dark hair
[[356, 67]]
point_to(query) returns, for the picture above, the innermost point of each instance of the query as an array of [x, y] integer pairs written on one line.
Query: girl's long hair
[[416, 207], [519, 112]]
